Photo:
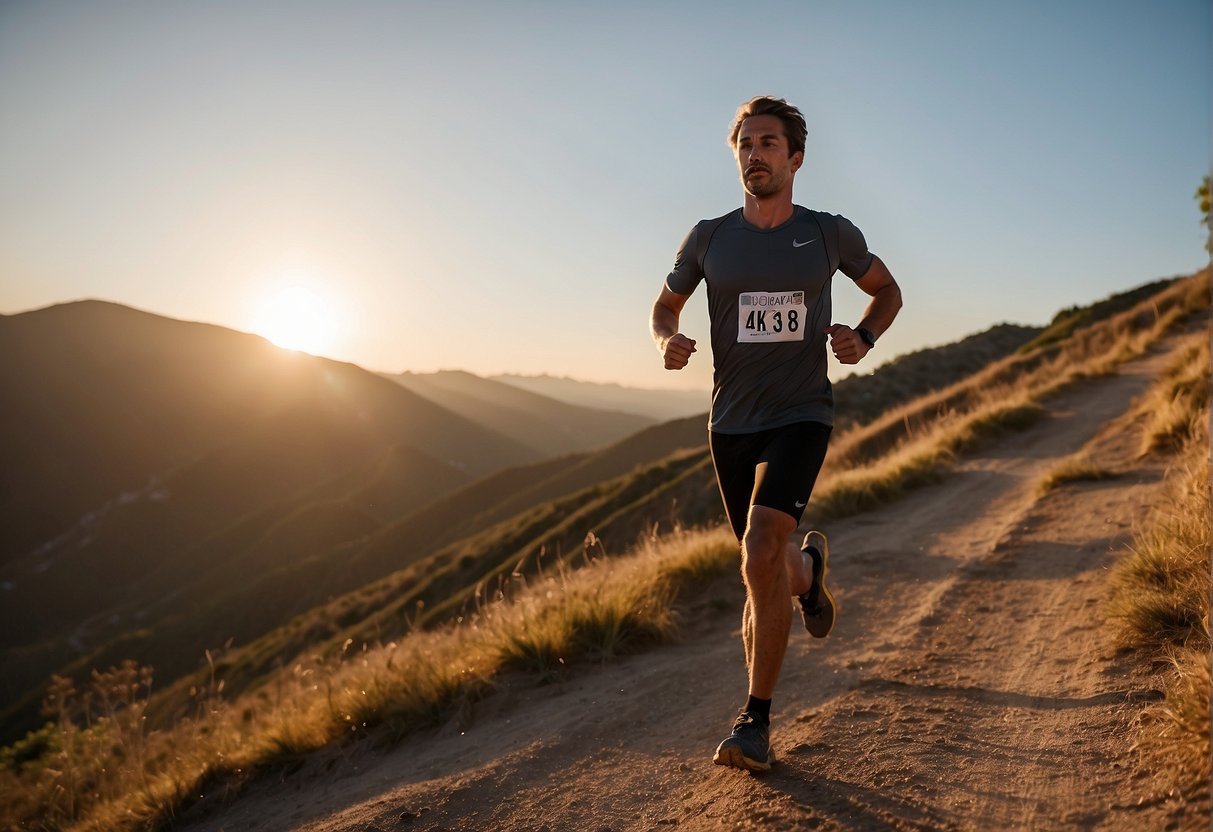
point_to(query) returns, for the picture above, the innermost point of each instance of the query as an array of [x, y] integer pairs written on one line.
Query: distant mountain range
[[548, 426], [168, 487], [659, 405]]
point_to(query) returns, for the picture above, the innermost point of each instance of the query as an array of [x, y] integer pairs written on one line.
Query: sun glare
[[297, 318]]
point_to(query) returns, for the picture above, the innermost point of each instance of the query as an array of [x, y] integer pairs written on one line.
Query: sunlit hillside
[[169, 485], [579, 572]]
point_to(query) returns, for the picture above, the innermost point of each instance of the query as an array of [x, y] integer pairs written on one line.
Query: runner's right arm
[[674, 347]]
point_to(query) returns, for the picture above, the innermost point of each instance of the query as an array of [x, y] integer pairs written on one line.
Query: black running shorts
[[776, 468]]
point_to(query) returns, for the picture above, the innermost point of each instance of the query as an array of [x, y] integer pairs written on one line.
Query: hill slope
[[512, 522], [364, 572], [860, 399], [899, 720], [144, 455]]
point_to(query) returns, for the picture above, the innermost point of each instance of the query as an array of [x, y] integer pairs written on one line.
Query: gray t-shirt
[[769, 304]]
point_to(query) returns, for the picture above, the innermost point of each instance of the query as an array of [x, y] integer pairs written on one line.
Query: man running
[[768, 268]]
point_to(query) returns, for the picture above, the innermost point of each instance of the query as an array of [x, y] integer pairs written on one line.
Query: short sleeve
[[854, 259], [687, 272]]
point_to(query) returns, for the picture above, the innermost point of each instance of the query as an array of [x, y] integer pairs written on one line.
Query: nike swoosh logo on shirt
[[805, 243], [806, 502]]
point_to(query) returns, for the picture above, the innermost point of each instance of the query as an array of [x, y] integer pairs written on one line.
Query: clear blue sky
[[501, 187]]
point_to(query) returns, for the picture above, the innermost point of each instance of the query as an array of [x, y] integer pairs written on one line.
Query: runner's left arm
[[878, 282]]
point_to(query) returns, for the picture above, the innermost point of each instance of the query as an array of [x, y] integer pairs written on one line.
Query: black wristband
[[867, 336]]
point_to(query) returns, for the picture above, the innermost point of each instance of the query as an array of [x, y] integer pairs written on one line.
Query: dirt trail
[[970, 684]]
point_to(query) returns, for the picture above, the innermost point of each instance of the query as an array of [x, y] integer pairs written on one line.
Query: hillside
[[465, 612], [518, 522], [144, 456], [336, 569], [860, 399], [948, 707], [546, 425]]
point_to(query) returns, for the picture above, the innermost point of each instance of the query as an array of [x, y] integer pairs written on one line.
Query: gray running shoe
[[748, 747], [817, 605]]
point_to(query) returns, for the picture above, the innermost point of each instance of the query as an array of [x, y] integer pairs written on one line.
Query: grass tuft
[[1077, 468], [1175, 407], [922, 459]]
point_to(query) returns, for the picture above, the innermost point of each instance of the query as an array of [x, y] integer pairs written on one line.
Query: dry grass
[[1077, 468], [915, 444], [922, 456], [1160, 605], [1174, 407], [610, 607]]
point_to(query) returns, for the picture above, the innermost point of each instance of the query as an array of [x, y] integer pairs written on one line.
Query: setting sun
[[297, 318]]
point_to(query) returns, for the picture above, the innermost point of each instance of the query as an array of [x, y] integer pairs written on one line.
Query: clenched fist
[[846, 344], [677, 351]]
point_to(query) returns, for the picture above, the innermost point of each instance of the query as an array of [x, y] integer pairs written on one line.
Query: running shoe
[[817, 605], [749, 746]]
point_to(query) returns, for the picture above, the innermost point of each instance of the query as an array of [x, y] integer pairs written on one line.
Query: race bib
[[770, 317]]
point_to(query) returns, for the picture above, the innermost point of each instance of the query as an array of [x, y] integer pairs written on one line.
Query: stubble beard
[[757, 188]]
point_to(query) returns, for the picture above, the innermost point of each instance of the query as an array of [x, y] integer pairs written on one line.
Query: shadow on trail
[[1010, 699], [826, 802], [1047, 561]]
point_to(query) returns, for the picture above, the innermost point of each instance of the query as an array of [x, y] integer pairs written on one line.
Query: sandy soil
[[970, 684]]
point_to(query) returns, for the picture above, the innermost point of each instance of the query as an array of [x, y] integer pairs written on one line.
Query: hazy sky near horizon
[[501, 187]]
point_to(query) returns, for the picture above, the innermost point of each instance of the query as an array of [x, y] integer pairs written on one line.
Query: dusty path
[[969, 684]]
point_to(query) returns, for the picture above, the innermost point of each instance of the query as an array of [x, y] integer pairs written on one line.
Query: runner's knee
[[763, 545]]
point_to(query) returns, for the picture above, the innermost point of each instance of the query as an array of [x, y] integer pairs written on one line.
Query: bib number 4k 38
[[770, 317]]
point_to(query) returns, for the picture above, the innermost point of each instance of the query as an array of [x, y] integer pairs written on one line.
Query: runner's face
[[762, 156]]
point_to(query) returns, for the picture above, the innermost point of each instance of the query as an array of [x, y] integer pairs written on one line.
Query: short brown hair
[[764, 105]]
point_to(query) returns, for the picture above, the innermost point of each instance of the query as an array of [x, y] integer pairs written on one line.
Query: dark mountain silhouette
[[548, 426]]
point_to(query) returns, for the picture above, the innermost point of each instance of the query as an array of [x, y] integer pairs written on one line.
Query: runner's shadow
[[850, 805]]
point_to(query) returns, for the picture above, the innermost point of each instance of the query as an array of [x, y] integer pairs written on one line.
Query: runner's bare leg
[[800, 580], [768, 615]]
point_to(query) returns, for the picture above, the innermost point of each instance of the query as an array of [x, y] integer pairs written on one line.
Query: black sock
[[759, 707]]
